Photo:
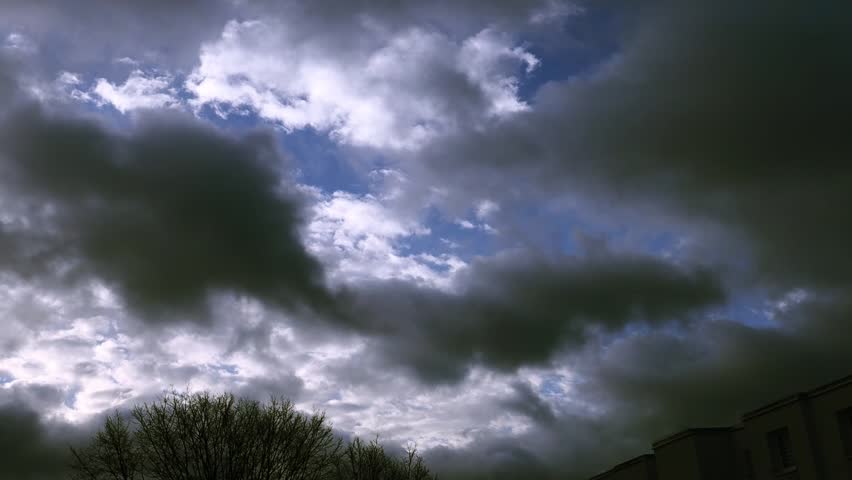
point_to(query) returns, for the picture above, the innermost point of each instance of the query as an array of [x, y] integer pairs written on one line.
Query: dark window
[[780, 449], [844, 421]]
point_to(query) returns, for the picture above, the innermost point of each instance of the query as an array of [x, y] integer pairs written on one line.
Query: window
[[780, 449], [844, 421]]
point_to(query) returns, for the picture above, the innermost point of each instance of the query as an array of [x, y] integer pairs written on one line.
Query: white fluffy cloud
[[359, 237], [139, 91], [78, 354], [81, 344], [398, 93]]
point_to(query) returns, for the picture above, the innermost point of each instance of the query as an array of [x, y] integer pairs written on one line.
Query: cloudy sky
[[530, 236]]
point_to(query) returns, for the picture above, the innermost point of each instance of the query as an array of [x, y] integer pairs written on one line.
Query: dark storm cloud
[[571, 446], [168, 212], [724, 366], [527, 402], [262, 389], [488, 459], [32, 447], [37, 397], [732, 113], [657, 382], [660, 382], [518, 310], [29, 453]]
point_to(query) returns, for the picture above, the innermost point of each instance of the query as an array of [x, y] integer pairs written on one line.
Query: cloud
[[74, 355], [486, 208], [713, 363], [397, 91], [139, 91], [627, 393], [37, 396], [722, 119], [89, 31], [19, 44], [167, 212], [720, 114], [527, 401], [342, 21], [171, 212], [30, 452], [358, 237], [517, 310], [8, 79]]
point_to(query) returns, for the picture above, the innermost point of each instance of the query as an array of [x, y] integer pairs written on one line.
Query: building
[[806, 436], [643, 467], [698, 453]]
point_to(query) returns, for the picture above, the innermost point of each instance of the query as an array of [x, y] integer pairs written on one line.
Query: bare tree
[[111, 455], [218, 437], [211, 437], [369, 461]]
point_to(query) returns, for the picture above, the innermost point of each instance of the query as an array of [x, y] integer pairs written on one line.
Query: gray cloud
[[28, 452], [463, 18], [724, 366], [262, 389], [84, 32], [171, 211], [730, 113], [37, 397], [528, 402], [75, 34], [718, 112], [520, 310], [35, 448], [168, 212], [654, 383], [8, 79]]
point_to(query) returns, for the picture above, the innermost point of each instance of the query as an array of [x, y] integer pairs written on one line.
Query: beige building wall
[[716, 454], [832, 419], [819, 423], [743, 455], [677, 457], [696, 454], [786, 414]]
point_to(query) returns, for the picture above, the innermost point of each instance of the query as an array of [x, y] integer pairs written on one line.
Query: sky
[[529, 237]]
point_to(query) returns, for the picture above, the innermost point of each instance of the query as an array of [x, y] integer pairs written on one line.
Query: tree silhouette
[[111, 455], [369, 461], [205, 437], [219, 437]]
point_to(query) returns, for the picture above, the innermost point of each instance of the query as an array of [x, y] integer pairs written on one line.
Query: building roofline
[[840, 382], [688, 433], [645, 457], [769, 407], [789, 399]]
